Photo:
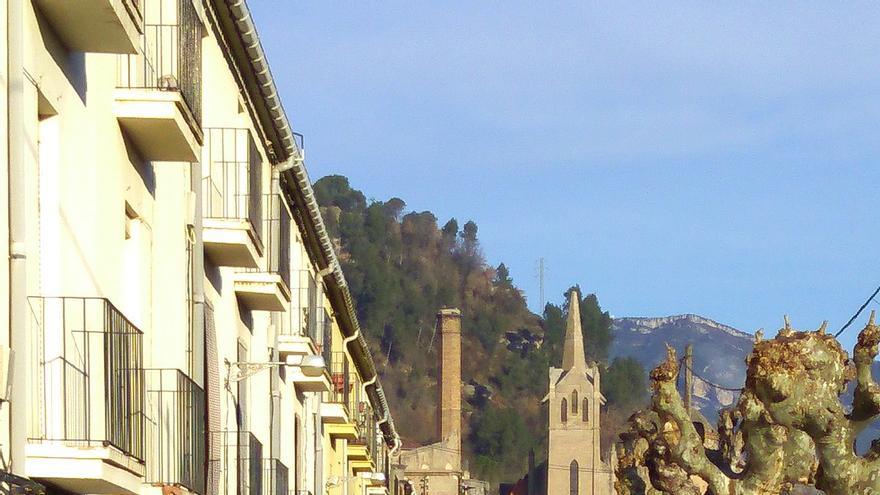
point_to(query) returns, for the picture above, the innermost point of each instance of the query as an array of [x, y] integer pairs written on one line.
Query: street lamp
[[310, 366]]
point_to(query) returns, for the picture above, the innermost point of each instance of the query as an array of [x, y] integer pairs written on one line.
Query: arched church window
[[586, 410], [573, 478], [564, 410], [574, 402]]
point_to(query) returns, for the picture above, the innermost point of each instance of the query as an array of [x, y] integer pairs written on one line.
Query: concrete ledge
[[261, 291], [98, 26], [296, 345], [334, 413], [358, 452], [159, 123], [230, 242], [345, 431], [98, 470]]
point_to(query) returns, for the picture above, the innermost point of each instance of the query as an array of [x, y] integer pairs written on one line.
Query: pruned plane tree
[[789, 426]]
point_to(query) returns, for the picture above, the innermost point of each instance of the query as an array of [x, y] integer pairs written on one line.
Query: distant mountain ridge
[[720, 352]]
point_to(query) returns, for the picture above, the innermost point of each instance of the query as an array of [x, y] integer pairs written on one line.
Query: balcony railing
[[232, 177], [276, 236], [240, 453], [305, 309], [367, 427], [340, 378], [86, 375], [326, 336], [275, 477], [170, 56], [175, 420]]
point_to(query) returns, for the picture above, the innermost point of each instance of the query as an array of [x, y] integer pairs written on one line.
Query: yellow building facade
[[173, 318]]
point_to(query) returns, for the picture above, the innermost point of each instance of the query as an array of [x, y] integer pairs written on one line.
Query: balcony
[[99, 26], [159, 88], [334, 406], [239, 464], [85, 431], [301, 336], [268, 288], [232, 198], [175, 424], [275, 477]]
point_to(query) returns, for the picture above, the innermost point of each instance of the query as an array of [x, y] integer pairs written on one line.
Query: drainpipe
[[198, 279], [19, 400]]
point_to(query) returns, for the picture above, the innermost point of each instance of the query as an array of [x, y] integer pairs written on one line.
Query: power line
[[862, 308], [708, 382]]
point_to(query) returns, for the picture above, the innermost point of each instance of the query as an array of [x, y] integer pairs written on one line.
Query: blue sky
[[718, 159]]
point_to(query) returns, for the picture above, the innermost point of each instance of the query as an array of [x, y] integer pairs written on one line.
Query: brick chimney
[[449, 380]]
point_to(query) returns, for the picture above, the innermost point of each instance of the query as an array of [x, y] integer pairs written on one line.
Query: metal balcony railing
[[326, 337], [232, 177], [276, 236], [367, 427], [240, 462], [170, 56], [275, 477], [175, 422], [340, 380], [86, 375], [306, 310]]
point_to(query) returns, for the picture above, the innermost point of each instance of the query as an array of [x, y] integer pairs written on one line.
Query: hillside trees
[[402, 267]]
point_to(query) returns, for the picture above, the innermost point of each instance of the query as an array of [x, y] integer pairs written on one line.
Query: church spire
[[573, 352]]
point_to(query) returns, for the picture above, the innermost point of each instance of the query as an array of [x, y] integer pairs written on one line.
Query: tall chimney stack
[[449, 380]]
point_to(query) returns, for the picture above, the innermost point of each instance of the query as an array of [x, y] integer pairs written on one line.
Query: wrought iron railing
[[275, 477], [86, 375], [232, 177], [306, 311], [326, 336], [175, 421], [276, 236], [366, 426], [340, 380], [240, 461], [170, 56]]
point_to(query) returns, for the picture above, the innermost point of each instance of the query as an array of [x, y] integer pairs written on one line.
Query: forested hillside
[[402, 267]]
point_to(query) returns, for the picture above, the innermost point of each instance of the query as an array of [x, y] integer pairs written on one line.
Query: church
[[574, 464]]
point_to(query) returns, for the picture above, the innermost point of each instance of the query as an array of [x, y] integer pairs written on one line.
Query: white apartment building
[[173, 319]]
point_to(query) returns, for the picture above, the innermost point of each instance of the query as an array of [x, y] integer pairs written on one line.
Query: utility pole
[[541, 273], [688, 377]]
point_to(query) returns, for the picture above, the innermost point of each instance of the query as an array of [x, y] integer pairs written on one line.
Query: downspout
[[18, 341]]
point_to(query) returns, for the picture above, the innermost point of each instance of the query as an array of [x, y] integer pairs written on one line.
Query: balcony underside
[[296, 345], [98, 470], [358, 452], [159, 124], [261, 291], [345, 431], [304, 383], [230, 242], [100, 26], [333, 413], [377, 490], [362, 466]]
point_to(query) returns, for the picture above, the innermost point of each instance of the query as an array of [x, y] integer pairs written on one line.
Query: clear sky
[[719, 159]]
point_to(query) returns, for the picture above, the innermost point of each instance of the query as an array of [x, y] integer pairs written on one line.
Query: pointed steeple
[[573, 350]]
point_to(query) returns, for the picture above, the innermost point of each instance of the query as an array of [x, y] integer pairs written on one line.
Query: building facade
[[176, 315], [574, 464]]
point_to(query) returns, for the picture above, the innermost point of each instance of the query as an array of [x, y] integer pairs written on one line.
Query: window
[[574, 402], [573, 478], [586, 410], [564, 410]]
